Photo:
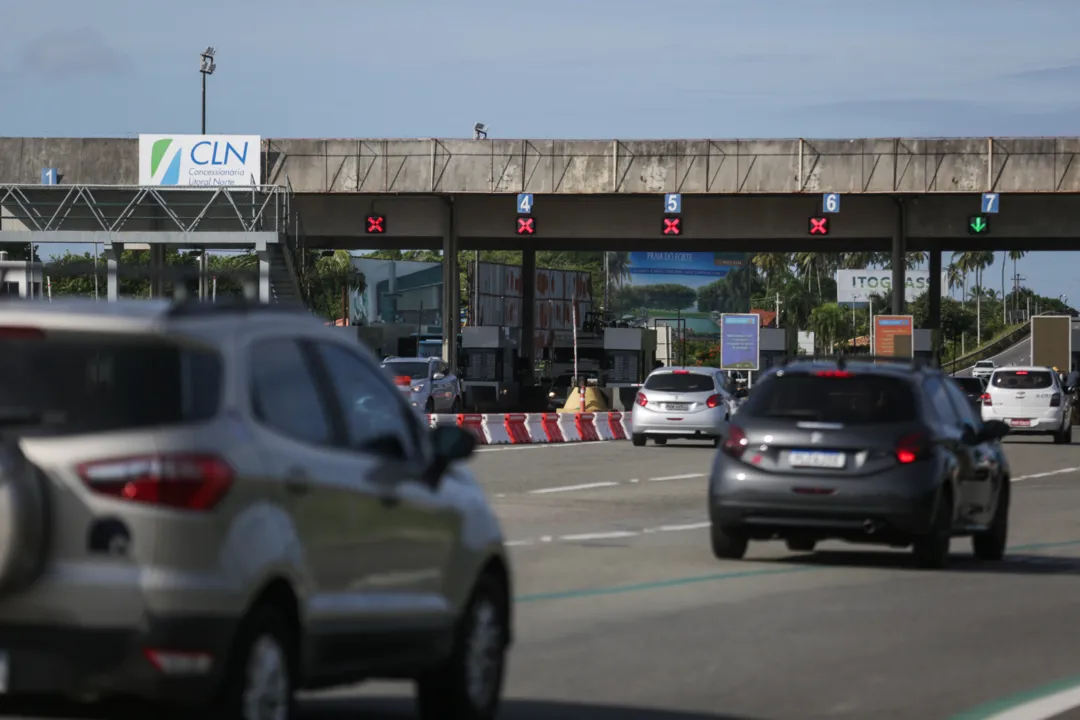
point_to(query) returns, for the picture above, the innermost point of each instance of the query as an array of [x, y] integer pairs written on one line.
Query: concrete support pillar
[[899, 268], [204, 280], [157, 271], [935, 300], [451, 289], [528, 315], [112, 272], [264, 274]]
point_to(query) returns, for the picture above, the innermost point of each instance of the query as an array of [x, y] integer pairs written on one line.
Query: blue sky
[[561, 68]]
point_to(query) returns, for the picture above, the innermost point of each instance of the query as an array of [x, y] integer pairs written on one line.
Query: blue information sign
[[739, 341]]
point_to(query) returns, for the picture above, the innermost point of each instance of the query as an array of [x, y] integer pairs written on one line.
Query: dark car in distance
[[973, 388], [883, 454]]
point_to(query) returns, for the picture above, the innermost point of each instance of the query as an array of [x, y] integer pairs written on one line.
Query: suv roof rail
[[195, 308], [841, 360]]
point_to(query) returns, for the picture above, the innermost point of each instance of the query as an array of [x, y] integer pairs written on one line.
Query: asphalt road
[[623, 613], [1018, 354]]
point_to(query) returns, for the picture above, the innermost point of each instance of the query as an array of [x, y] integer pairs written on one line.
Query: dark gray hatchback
[[870, 453]]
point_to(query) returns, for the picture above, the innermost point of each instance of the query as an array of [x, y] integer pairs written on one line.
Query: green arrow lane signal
[[978, 225]]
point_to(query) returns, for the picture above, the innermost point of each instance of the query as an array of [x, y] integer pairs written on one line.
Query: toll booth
[[629, 354], [490, 358]]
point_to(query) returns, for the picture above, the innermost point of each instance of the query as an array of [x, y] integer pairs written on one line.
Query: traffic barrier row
[[534, 428]]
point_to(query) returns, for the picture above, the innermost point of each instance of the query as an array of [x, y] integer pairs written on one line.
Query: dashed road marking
[[688, 476], [572, 488]]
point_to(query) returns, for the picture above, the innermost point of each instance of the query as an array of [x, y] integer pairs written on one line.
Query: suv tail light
[[986, 400], [735, 443], [833, 373], [911, 448], [1055, 400], [402, 380], [181, 481], [713, 401], [641, 399]]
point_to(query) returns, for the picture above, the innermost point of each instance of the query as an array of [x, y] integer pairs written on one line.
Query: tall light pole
[[207, 68]]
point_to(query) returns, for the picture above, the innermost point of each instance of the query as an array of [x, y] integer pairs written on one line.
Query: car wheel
[[660, 441], [728, 543], [429, 406], [931, 550], [259, 678], [468, 686], [800, 544], [990, 545], [638, 439]]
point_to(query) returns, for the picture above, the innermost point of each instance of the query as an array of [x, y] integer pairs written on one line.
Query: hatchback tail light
[[713, 401], [180, 481], [833, 373], [735, 442], [986, 400], [402, 380], [1055, 400], [641, 399], [911, 448]]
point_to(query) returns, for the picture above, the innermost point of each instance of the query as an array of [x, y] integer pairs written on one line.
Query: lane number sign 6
[[830, 203]]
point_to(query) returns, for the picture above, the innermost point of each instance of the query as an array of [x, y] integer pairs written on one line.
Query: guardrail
[[986, 351]]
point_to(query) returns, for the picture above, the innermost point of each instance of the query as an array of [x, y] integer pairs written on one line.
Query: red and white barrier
[[538, 428]]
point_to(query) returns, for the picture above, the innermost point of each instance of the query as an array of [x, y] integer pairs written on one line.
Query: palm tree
[[1013, 255], [954, 276]]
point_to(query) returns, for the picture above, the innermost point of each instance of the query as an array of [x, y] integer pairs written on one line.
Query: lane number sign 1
[[524, 203], [830, 203]]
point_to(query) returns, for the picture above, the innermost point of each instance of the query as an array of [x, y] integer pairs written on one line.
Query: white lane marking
[[633, 480], [517, 543], [1043, 708], [599, 535], [572, 488], [543, 446], [688, 476], [679, 528], [1049, 473]]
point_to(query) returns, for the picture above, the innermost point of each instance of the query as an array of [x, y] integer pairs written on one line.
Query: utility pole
[[779, 302], [206, 68]]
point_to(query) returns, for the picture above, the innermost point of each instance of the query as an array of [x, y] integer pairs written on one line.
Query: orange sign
[[886, 329]]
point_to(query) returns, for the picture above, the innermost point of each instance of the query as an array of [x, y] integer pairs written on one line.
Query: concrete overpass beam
[[899, 266], [451, 287], [528, 315], [112, 261]]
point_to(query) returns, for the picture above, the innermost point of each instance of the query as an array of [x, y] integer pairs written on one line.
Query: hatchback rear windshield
[[89, 382], [849, 400], [415, 370], [1022, 380], [680, 382]]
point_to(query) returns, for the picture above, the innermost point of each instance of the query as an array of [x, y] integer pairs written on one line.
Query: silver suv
[[218, 506], [430, 385]]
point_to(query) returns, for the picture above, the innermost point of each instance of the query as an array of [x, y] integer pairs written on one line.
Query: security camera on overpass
[[479, 131]]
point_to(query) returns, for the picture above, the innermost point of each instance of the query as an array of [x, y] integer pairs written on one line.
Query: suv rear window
[[90, 382], [850, 400], [984, 364], [680, 382], [414, 370], [1022, 379]]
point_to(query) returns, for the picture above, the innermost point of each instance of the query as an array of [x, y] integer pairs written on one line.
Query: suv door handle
[[297, 482]]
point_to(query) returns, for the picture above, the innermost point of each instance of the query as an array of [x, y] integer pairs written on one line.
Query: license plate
[[677, 406], [1020, 423], [816, 459]]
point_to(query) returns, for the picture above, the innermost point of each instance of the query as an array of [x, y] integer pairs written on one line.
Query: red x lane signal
[[376, 224], [526, 225], [819, 226], [672, 225]]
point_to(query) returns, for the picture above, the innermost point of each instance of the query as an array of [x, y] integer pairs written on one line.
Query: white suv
[[1031, 400], [983, 369]]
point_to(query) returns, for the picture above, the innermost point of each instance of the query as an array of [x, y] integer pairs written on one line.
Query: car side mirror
[[993, 430], [449, 444], [438, 376]]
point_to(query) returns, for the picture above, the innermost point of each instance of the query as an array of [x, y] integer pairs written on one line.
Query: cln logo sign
[[200, 160]]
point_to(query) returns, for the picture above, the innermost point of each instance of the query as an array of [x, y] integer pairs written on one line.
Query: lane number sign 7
[[991, 202], [830, 203]]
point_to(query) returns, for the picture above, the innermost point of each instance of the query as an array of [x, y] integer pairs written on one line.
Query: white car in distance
[[983, 369]]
